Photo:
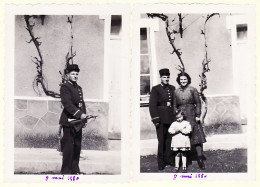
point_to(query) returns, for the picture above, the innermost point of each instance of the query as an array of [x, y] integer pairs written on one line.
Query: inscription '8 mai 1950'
[[61, 178], [190, 176]]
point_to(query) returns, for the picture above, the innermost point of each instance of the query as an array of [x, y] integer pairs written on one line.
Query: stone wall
[[223, 117], [36, 124]]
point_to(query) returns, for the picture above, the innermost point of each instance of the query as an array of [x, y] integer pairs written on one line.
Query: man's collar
[[73, 83], [165, 85]]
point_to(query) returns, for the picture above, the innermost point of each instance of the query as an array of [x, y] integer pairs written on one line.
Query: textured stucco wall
[[39, 128], [88, 42], [220, 77], [223, 117]]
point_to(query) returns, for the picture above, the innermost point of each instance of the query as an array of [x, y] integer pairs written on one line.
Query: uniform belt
[[165, 104]]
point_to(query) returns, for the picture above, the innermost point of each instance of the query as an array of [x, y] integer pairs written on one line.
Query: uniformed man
[[74, 108], [161, 107]]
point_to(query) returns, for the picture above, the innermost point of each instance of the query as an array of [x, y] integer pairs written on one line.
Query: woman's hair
[[183, 74]]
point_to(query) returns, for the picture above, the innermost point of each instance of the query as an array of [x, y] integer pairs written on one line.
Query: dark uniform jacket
[[72, 101], [160, 111]]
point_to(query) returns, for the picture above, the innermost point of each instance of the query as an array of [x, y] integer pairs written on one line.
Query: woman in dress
[[188, 100]]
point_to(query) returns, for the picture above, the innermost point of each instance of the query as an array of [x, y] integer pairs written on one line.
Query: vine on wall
[[205, 69], [171, 33], [70, 54], [40, 82]]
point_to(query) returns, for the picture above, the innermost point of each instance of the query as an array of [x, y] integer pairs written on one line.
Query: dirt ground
[[217, 161]]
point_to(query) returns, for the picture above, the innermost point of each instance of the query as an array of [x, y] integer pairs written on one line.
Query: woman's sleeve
[[173, 129], [186, 129], [197, 102]]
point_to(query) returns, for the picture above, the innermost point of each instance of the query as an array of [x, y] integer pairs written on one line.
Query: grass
[[217, 161]]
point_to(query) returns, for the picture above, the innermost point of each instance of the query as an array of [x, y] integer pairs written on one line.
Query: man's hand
[[156, 124], [83, 116], [197, 119]]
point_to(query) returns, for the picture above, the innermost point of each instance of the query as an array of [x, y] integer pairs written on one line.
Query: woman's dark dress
[[188, 100]]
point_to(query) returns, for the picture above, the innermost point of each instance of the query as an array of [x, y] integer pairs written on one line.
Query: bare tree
[[205, 63], [170, 34], [39, 80], [70, 54], [205, 69]]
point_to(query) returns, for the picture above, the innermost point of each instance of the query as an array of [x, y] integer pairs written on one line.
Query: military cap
[[72, 67], [164, 71]]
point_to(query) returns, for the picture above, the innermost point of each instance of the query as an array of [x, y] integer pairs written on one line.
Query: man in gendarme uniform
[[161, 106], [74, 108]]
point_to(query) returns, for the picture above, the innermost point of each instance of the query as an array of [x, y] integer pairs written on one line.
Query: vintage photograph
[[68, 99], [129, 92], [196, 81]]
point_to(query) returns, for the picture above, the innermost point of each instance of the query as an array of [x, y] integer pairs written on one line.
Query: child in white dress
[[180, 140]]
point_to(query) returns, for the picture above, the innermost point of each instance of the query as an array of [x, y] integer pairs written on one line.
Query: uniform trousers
[[164, 154], [70, 147]]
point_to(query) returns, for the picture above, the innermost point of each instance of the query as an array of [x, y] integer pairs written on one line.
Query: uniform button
[[169, 96], [170, 99]]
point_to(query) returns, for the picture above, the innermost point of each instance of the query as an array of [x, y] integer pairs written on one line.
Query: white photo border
[[65, 9], [192, 8]]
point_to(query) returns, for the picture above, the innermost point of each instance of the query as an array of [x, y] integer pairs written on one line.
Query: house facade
[[231, 61], [97, 40]]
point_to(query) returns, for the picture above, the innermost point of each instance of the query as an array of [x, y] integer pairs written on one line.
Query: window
[[116, 24], [145, 64], [241, 32]]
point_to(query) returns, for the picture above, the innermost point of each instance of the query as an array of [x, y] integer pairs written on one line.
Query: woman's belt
[[186, 105]]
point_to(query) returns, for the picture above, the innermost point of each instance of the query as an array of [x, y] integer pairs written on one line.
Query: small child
[[180, 140]]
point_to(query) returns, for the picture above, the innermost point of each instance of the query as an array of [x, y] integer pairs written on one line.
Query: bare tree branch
[[170, 36], [180, 24], [39, 80], [205, 69], [70, 54]]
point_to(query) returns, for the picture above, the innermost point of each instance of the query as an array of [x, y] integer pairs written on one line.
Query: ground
[[217, 161]]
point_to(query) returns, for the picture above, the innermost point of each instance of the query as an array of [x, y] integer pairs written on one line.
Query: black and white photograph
[[194, 101], [68, 67], [136, 92]]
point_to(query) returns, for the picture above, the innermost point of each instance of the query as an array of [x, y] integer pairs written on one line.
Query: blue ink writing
[[189, 176], [58, 178], [200, 176], [73, 178], [61, 178]]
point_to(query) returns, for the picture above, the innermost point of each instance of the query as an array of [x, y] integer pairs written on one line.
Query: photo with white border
[[216, 45], [41, 42]]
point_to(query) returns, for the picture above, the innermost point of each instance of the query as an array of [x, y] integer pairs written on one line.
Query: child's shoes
[[184, 170]]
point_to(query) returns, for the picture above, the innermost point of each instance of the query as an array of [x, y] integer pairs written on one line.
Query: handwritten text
[[62, 178], [189, 176]]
